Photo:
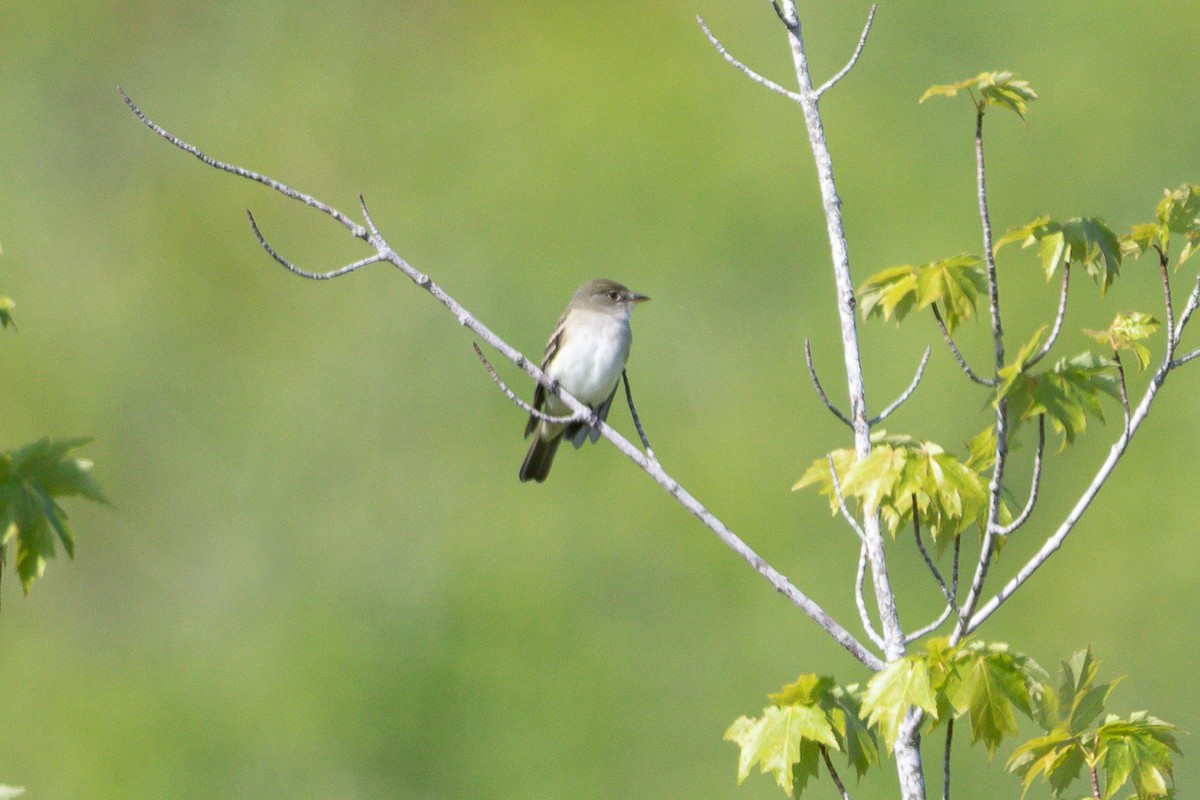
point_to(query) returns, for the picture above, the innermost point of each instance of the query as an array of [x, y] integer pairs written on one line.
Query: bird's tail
[[540, 456]]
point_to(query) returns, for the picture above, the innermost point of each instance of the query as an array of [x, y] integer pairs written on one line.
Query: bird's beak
[[639, 298]]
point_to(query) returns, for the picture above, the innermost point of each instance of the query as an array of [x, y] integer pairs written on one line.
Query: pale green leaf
[[900, 685], [1001, 89]]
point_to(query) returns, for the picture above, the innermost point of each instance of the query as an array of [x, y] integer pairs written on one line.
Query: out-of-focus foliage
[[319, 563]]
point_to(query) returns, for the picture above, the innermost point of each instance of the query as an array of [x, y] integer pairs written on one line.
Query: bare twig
[[937, 575], [1058, 318], [1169, 307], [816, 382], [946, 759], [754, 76], [1122, 388], [841, 501], [1189, 308], [315, 276], [958, 356], [860, 599], [833, 773], [862, 42], [468, 320], [996, 485], [1179, 362], [1036, 480], [637, 421], [511, 395], [912, 387], [1056, 540]]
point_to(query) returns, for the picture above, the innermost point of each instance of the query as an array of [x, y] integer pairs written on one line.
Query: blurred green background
[[320, 578]]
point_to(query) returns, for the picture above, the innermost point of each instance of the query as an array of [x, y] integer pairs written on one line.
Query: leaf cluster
[[1178, 212], [32, 479], [954, 284], [902, 475], [1001, 89], [1136, 749], [1086, 241], [806, 717]]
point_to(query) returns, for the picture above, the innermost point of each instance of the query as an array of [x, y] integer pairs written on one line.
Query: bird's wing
[[539, 393]]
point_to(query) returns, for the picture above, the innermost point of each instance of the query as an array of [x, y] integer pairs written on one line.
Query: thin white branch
[[1179, 362], [860, 600], [1058, 318], [912, 387], [754, 76], [958, 356], [816, 382], [1036, 480], [314, 276], [841, 501], [931, 627], [467, 320], [528, 409], [1188, 309], [1057, 539], [862, 42]]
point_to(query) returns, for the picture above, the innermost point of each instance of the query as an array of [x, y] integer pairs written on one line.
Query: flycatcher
[[585, 356]]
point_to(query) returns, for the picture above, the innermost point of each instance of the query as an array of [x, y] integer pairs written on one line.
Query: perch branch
[[467, 320], [314, 276]]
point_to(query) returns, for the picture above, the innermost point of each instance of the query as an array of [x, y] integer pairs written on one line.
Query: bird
[[585, 356]]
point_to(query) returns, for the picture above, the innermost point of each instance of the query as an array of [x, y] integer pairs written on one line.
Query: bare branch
[[754, 76], [355, 229], [958, 356], [1036, 480], [1122, 388], [637, 421], [1179, 362], [1169, 308], [316, 276], [946, 758], [860, 600], [1056, 540], [937, 575], [1188, 309], [1058, 318], [649, 466], [812, 374], [862, 42], [793, 25], [528, 409], [932, 626], [841, 501], [912, 387]]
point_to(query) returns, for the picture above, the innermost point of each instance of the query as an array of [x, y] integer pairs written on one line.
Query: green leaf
[[1137, 749], [1056, 757], [1125, 333], [1086, 241], [1001, 89], [953, 283], [1179, 212], [31, 480], [807, 690], [992, 683], [1067, 393], [855, 739], [774, 740], [6, 307], [892, 691]]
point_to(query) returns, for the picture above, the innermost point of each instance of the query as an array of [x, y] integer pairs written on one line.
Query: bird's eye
[[614, 295]]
